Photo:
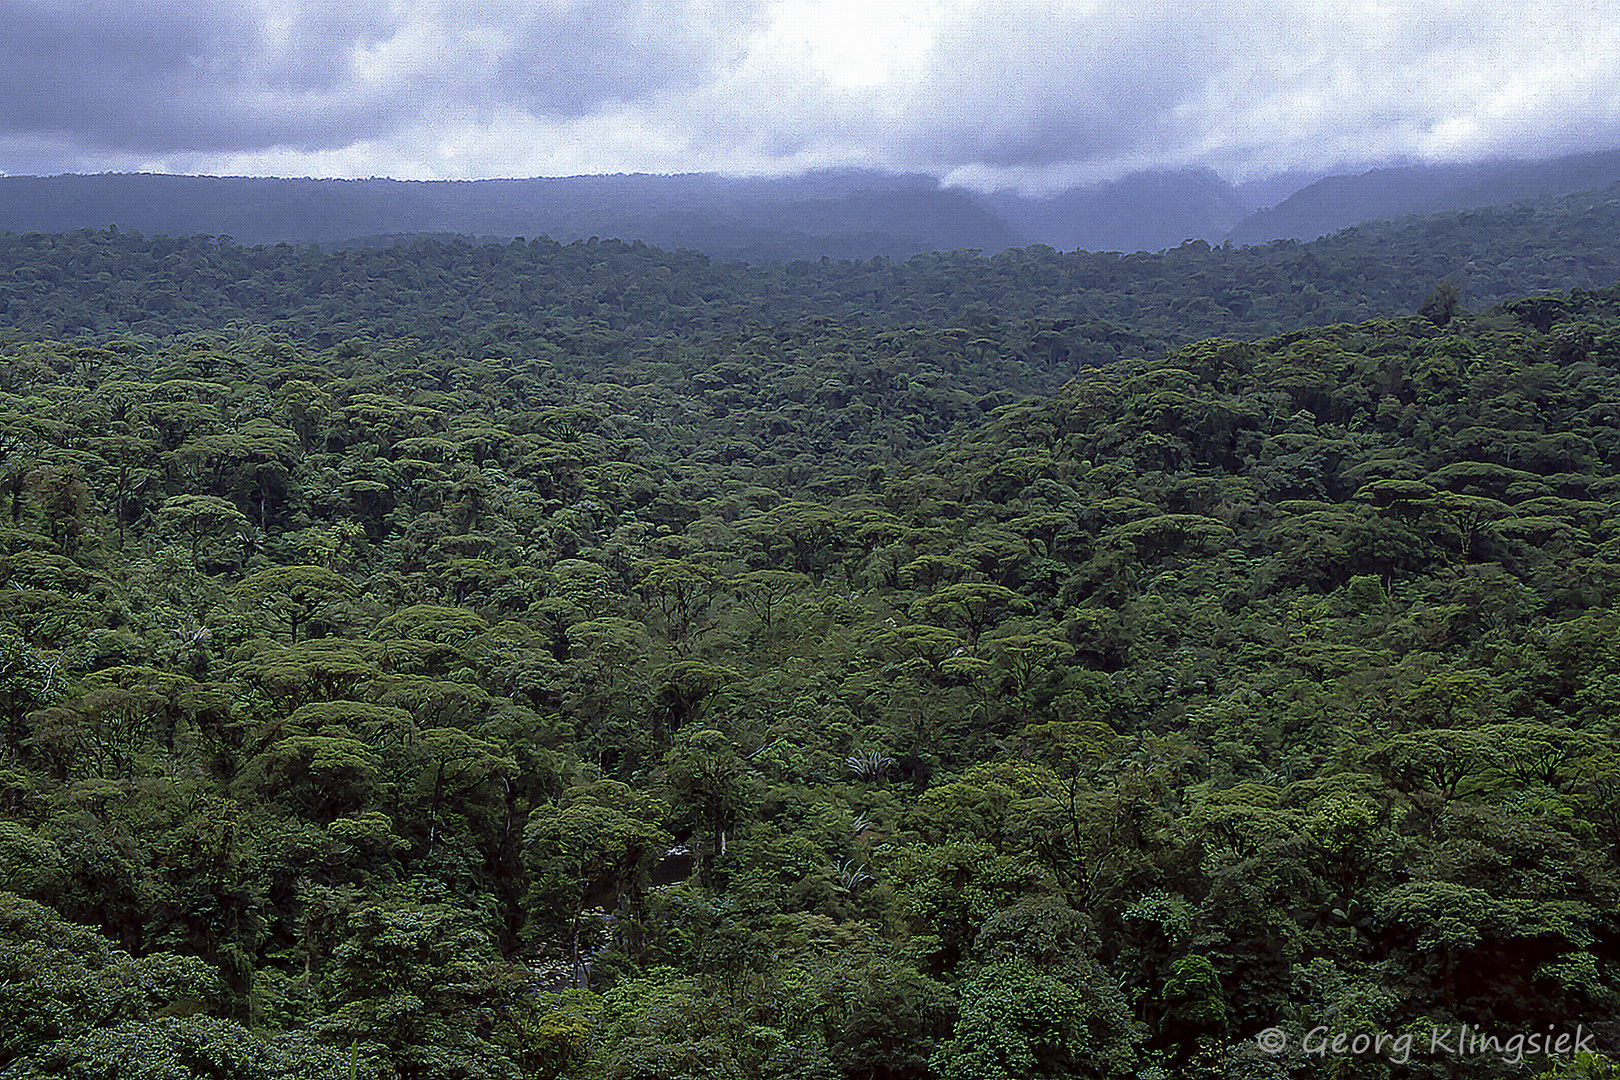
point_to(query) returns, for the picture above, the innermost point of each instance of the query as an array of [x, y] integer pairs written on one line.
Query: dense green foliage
[[721, 699]]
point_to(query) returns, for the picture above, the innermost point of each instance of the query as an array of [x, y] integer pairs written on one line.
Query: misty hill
[[1147, 211], [839, 214], [1385, 194]]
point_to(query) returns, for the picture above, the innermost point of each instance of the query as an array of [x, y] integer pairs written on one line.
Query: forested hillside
[[535, 298], [1337, 202], [540, 661]]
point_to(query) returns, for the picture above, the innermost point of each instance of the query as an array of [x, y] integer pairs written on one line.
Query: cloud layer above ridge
[[987, 93]]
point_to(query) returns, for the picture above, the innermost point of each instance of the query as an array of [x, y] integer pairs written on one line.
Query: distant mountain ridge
[[1338, 202], [840, 214]]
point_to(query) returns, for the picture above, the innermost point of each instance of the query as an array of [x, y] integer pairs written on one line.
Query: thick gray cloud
[[143, 76], [161, 77], [1034, 93]]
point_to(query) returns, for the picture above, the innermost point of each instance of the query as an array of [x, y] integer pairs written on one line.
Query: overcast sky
[[986, 93]]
